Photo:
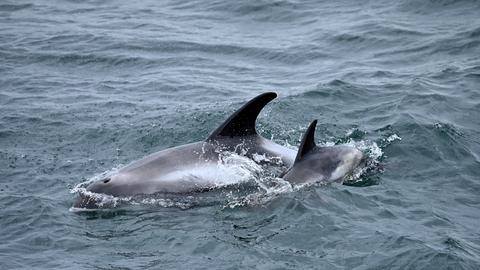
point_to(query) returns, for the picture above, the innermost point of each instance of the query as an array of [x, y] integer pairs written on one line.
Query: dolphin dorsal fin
[[308, 141], [242, 122]]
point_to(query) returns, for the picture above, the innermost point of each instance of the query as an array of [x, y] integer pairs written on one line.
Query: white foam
[[393, 137], [232, 169], [260, 158], [327, 144], [162, 202]]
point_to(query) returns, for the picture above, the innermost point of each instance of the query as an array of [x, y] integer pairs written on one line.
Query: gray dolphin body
[[191, 167], [188, 168], [322, 164]]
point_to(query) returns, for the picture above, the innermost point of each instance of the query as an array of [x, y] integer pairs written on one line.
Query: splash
[[368, 174], [392, 138], [266, 189]]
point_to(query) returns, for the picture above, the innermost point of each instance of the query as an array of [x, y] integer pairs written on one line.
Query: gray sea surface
[[89, 86]]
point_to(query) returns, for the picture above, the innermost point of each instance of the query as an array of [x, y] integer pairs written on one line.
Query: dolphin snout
[[363, 161], [352, 159], [88, 199], [356, 159]]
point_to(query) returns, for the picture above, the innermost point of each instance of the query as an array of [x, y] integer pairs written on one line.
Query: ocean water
[[88, 86]]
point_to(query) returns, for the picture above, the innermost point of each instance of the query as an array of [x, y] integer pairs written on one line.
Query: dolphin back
[[308, 142], [329, 163], [242, 122]]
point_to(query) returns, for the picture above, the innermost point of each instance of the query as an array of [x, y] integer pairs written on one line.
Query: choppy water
[[86, 86]]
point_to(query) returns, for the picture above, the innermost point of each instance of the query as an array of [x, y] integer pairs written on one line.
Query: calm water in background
[[86, 86]]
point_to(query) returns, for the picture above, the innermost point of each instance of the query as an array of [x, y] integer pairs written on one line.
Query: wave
[[436, 6], [14, 7]]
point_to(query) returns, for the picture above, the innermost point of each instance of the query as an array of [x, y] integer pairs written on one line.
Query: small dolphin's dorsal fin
[[242, 122], [308, 141]]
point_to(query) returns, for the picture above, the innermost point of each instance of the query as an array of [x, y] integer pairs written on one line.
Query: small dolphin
[[188, 168], [322, 164]]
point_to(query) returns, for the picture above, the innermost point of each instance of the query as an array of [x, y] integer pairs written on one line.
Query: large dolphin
[[187, 168], [322, 164]]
